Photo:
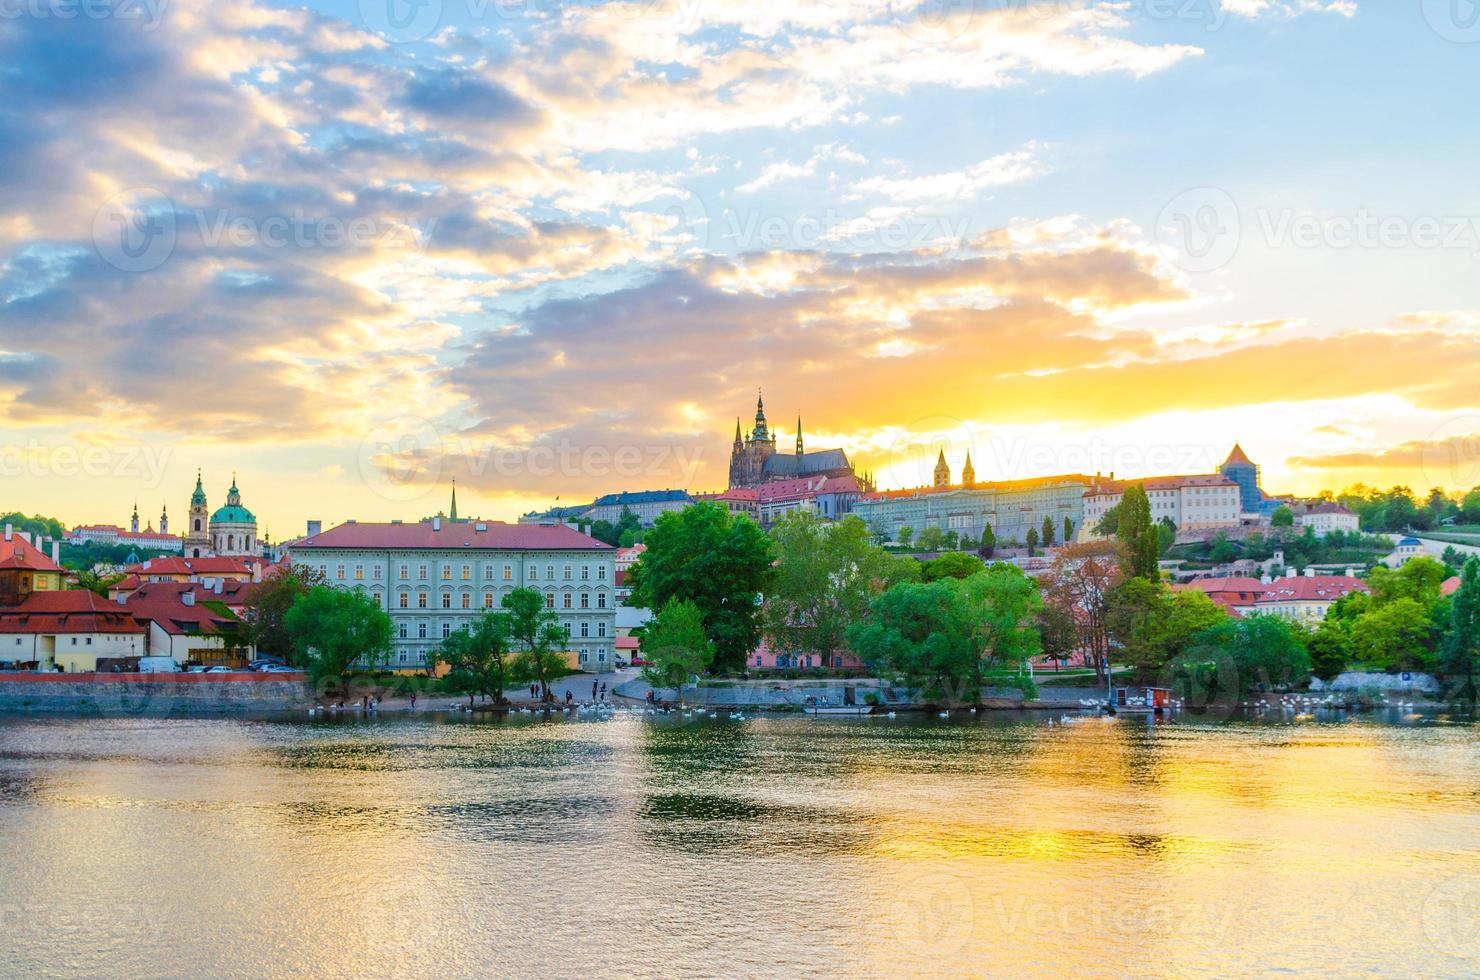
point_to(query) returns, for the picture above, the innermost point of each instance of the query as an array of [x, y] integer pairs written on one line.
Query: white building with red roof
[[1198, 502], [68, 630], [1305, 598], [831, 497], [1323, 518], [1232, 592], [437, 575]]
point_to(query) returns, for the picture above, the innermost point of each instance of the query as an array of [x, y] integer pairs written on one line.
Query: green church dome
[[233, 514]]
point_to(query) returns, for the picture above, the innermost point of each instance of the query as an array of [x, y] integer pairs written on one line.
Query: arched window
[[229, 541], [197, 523]]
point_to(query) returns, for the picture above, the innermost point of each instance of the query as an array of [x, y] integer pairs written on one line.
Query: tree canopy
[[676, 645], [477, 657], [719, 562], [336, 631], [1138, 536]]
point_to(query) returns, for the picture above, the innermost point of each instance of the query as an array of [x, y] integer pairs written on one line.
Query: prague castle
[[755, 460]]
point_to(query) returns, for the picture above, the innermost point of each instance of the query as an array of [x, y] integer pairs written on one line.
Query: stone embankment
[[117, 694]]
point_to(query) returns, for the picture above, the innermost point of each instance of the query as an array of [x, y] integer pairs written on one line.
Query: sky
[[355, 251]]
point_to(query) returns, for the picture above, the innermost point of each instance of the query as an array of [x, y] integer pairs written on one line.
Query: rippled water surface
[[770, 846]]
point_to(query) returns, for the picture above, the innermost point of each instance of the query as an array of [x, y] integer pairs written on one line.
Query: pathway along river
[[772, 846]]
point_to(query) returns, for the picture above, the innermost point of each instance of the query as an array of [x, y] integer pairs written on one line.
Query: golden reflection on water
[[632, 846]]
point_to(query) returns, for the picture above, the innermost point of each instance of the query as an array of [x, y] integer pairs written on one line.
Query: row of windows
[[420, 656], [356, 572], [403, 630], [465, 600]]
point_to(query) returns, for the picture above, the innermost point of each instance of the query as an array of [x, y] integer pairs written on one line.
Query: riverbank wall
[[133, 694], [795, 695]]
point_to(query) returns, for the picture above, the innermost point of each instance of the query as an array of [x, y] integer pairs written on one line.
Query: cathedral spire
[[968, 472], [942, 471], [738, 441], [452, 513], [799, 435]]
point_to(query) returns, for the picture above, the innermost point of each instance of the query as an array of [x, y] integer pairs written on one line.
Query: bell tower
[[197, 528]]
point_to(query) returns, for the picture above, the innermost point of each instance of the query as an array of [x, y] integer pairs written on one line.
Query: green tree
[[1137, 536], [951, 540], [826, 573], [477, 657], [988, 545], [1268, 651], [1283, 516], [719, 562], [677, 646], [97, 584], [1397, 635], [1109, 523], [628, 538], [952, 564], [929, 539], [1068, 530], [335, 632], [1166, 535], [904, 536], [1469, 508], [945, 635], [1222, 550], [607, 532], [1420, 578], [1032, 541], [535, 633], [1154, 625], [1330, 649], [1460, 655], [267, 608], [1047, 536]]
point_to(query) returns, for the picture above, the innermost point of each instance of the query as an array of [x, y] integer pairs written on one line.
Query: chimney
[[56, 552], [1351, 573], [1310, 572], [219, 583], [315, 527], [187, 598], [8, 532]]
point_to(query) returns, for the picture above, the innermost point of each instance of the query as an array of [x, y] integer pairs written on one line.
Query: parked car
[[279, 669], [639, 662], [263, 663], [198, 669], [219, 670], [158, 665]]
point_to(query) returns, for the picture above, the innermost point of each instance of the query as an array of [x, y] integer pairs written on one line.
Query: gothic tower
[[968, 472], [133, 522], [799, 436], [942, 471]]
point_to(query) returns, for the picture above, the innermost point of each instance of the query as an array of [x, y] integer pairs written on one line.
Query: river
[[628, 846]]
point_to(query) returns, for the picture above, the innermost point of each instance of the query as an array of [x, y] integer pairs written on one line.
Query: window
[[467, 600], [601, 600], [550, 573], [567, 630], [421, 631], [549, 600], [421, 571], [567, 573], [585, 572], [404, 600], [585, 600], [565, 600], [446, 571], [585, 629], [405, 631], [467, 573], [359, 572], [446, 600], [534, 572], [339, 572], [488, 600], [508, 573], [446, 630], [405, 572], [375, 571], [601, 572], [487, 572], [421, 600], [601, 629]]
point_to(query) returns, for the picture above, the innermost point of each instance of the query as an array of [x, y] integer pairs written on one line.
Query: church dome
[[233, 514]]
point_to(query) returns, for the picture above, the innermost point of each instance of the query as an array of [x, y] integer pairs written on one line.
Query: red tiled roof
[[1316, 588], [20, 553], [1227, 583], [809, 487], [1237, 456], [1329, 508], [455, 535], [232, 592], [627, 643], [174, 616], [176, 565], [72, 611], [1450, 586]]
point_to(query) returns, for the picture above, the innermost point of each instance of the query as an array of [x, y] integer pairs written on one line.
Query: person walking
[[603, 691], [593, 690]]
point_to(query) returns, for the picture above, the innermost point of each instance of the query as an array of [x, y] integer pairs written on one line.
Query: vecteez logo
[[402, 21], [135, 229]]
